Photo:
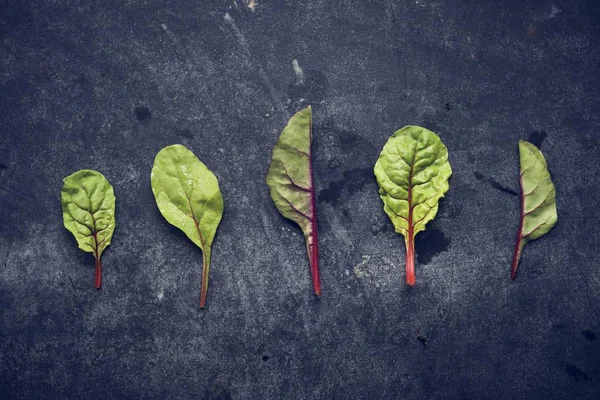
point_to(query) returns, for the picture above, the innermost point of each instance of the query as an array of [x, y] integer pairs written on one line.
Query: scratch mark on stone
[[246, 49], [73, 284], [8, 253], [452, 287], [470, 49], [298, 71], [496, 185], [187, 58]]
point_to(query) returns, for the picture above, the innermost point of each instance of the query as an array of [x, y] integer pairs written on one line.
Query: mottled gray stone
[[106, 84]]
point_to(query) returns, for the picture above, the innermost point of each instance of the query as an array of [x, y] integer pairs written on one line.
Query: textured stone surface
[[106, 86]]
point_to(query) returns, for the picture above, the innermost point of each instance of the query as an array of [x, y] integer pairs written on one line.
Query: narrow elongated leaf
[[538, 200], [412, 172], [88, 206], [290, 181], [188, 196]]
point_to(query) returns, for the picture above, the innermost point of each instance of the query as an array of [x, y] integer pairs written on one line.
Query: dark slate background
[[106, 86]]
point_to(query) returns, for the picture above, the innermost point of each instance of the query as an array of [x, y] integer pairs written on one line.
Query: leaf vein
[[294, 207], [292, 148]]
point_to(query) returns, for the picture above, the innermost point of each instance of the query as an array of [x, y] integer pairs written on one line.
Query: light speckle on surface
[[251, 4], [298, 71], [553, 11], [357, 272]]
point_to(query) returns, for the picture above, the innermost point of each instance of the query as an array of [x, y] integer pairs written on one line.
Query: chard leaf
[[290, 181], [538, 200], [412, 173], [188, 196], [88, 206]]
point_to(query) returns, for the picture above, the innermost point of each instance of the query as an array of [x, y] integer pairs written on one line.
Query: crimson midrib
[[314, 262]]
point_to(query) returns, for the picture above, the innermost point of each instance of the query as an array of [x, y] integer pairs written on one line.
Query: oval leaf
[[88, 206], [538, 200], [188, 196], [412, 173], [290, 181]]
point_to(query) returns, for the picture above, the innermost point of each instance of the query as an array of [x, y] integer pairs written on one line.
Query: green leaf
[[290, 181], [188, 196], [412, 172], [88, 205], [538, 200]]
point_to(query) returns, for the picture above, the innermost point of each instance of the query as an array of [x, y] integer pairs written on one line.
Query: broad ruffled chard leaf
[[290, 181], [188, 196], [412, 172], [88, 206], [538, 200]]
